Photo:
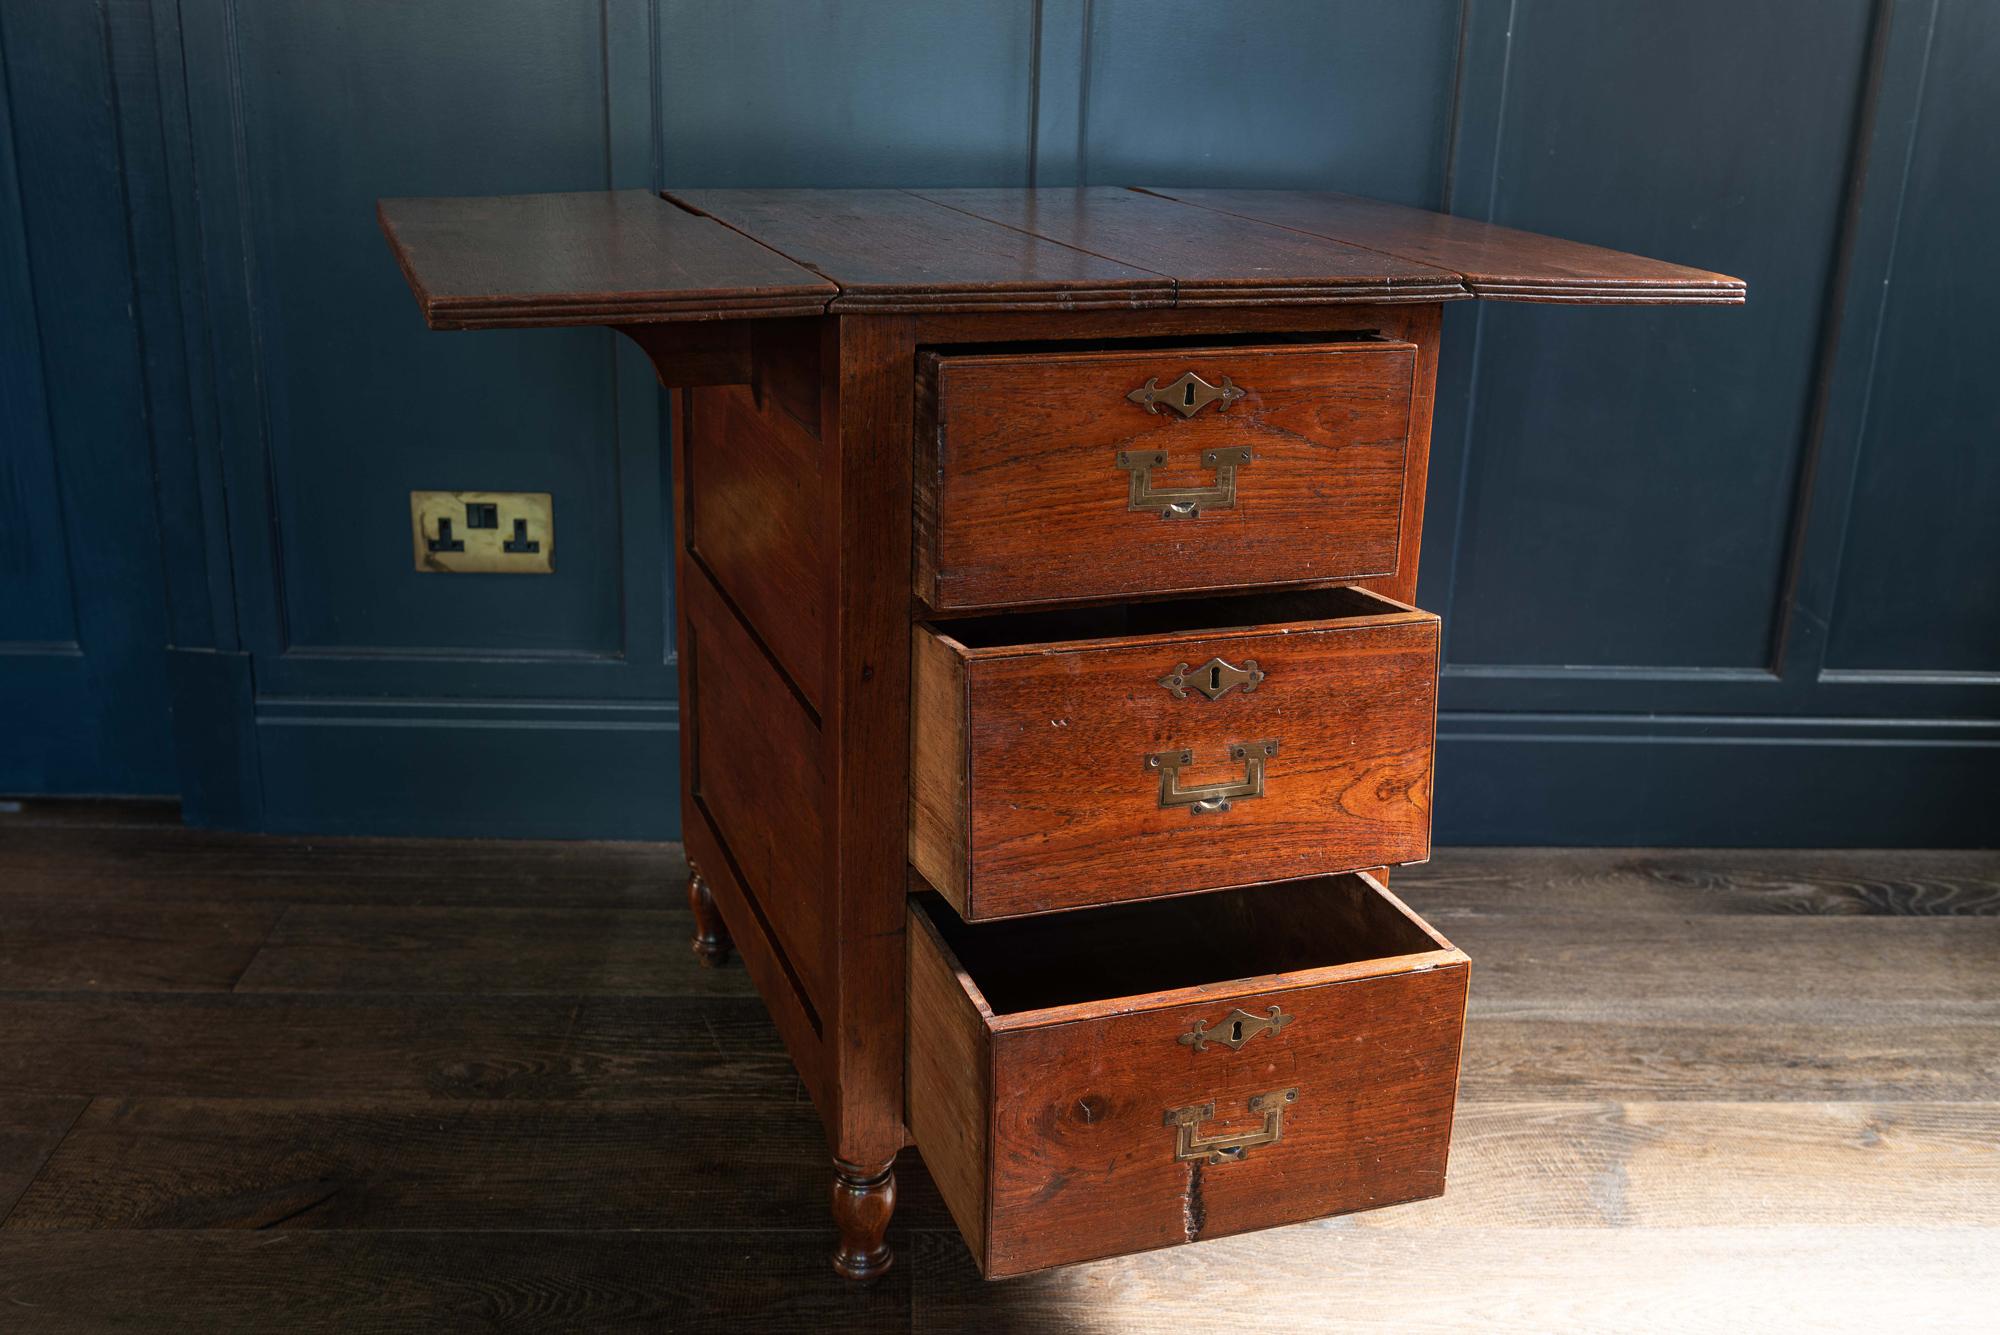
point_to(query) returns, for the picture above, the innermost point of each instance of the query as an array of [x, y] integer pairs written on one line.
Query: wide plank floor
[[258, 1084]]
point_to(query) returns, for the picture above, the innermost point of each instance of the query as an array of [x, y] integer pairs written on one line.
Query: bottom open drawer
[[1111, 1080]]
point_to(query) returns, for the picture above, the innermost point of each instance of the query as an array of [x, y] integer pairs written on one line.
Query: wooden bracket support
[[686, 353]]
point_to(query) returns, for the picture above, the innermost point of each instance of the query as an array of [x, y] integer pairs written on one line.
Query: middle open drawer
[[1088, 756]]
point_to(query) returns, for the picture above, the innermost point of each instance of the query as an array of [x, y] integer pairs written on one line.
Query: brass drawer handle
[[1182, 502], [1189, 1143], [1237, 1028], [1213, 679], [1214, 796], [1186, 396]]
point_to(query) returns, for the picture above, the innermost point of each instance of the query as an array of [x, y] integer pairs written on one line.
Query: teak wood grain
[[1214, 258], [606, 258], [757, 520], [759, 774], [623, 257], [1417, 324], [949, 1091], [1494, 262], [890, 250], [779, 981], [867, 732], [1025, 481], [1041, 745], [1420, 326], [1081, 1156], [940, 761]]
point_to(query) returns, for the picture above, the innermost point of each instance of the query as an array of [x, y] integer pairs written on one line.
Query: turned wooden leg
[[711, 938], [863, 1200]]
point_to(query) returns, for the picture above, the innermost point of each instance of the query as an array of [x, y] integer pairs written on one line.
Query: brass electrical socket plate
[[485, 549]]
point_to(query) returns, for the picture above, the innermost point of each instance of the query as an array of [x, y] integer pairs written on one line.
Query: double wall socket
[[488, 532]]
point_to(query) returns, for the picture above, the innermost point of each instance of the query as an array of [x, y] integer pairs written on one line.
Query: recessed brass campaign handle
[[1214, 796], [1182, 502], [1189, 1143]]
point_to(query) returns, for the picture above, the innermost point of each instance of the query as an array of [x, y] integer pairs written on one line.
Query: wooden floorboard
[[1338, 1276], [239, 1046], [689, 1165], [1689, 1165], [486, 951], [1462, 882], [326, 882], [696, 1166], [252, 1083], [1900, 1058], [30, 1130], [1731, 969], [130, 852], [52, 945], [387, 1283]]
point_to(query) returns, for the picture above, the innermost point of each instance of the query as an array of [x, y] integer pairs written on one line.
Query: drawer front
[[1135, 1123], [1066, 776], [1076, 476], [1117, 1135]]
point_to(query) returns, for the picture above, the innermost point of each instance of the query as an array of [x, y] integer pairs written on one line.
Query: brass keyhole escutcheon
[[1237, 1028], [1214, 679], [1186, 396]]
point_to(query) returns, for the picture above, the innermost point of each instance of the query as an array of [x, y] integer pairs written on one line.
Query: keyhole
[[1187, 395], [1236, 1032], [1215, 679]]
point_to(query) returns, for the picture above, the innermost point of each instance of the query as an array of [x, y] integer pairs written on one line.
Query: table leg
[[863, 1199], [711, 937]]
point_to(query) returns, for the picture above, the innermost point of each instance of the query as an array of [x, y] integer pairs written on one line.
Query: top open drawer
[[1056, 477]]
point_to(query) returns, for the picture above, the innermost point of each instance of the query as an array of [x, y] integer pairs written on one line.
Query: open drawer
[[1119, 1079], [1049, 476], [1065, 759]]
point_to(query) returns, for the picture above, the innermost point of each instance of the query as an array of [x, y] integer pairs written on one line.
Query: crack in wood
[[1194, 1213]]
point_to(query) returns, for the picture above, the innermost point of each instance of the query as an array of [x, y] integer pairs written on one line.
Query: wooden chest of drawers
[[1053, 696]]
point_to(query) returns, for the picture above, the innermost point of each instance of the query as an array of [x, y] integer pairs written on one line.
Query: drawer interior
[[1089, 955], [1184, 616]]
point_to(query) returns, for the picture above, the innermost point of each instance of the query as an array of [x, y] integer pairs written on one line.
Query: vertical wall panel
[[36, 605], [385, 698], [1304, 94], [1630, 474], [338, 105], [1653, 507], [860, 93], [83, 701], [1919, 586]]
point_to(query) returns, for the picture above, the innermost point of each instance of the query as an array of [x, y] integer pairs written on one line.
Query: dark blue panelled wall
[[1708, 576]]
